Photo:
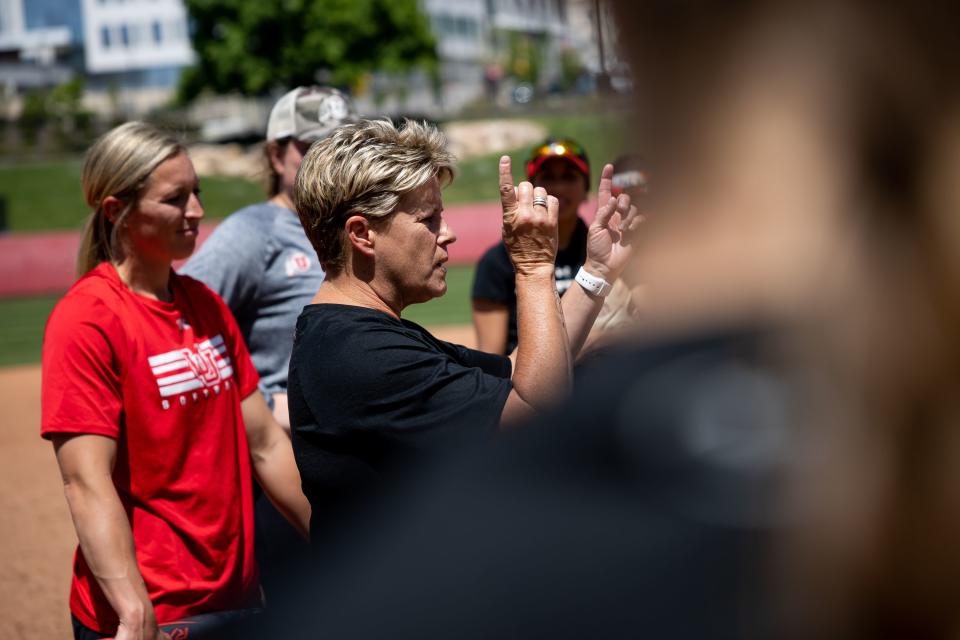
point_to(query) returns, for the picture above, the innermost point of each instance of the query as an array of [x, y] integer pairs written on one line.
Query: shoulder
[[261, 215], [345, 324], [88, 319], [86, 306], [247, 226], [358, 337], [497, 254], [495, 261], [91, 299]]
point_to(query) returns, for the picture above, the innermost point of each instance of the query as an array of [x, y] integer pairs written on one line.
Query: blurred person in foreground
[[778, 454], [261, 263], [372, 394], [151, 402], [561, 166], [816, 194]]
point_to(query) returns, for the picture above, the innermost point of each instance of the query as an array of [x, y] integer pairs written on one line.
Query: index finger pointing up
[[508, 193], [605, 190]]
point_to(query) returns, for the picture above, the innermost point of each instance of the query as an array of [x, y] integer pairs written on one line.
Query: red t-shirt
[[165, 380]]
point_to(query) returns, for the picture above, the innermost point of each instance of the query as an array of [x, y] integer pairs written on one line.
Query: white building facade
[[132, 35]]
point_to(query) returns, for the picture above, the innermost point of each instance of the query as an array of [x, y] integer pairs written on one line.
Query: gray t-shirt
[[261, 263]]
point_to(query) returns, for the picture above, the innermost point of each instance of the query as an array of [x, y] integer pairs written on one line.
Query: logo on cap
[[332, 109]]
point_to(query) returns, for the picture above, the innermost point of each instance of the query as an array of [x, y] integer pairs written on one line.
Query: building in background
[[512, 50], [36, 41], [134, 51], [130, 54]]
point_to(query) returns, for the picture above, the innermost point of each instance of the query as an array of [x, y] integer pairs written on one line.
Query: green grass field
[[47, 196], [22, 319]]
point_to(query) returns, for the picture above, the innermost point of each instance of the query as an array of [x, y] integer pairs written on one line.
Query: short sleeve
[[81, 383], [230, 261], [494, 279], [490, 363], [401, 385]]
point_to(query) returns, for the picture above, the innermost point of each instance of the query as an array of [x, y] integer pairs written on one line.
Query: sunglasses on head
[[559, 148]]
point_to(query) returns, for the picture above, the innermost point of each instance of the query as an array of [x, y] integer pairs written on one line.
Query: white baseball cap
[[309, 114]]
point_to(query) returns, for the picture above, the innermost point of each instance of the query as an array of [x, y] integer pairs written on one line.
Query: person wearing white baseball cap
[[261, 263]]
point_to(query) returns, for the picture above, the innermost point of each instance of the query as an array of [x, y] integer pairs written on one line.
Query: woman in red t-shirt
[[151, 402]]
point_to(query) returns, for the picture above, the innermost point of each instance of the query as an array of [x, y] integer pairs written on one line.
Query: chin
[[185, 250]]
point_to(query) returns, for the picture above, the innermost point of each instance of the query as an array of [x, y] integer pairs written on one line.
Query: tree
[[253, 47]]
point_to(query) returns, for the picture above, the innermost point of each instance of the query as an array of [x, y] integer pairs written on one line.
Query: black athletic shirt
[[495, 279], [369, 394]]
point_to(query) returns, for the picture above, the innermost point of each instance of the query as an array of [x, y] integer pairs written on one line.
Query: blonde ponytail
[[119, 164]]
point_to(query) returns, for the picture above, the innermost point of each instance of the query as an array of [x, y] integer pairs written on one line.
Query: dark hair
[[272, 179]]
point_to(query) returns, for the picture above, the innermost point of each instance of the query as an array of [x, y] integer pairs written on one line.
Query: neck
[[284, 200], [342, 288], [148, 280], [565, 227]]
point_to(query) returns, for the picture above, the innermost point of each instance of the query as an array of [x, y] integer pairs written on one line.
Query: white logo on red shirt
[[297, 263], [181, 371]]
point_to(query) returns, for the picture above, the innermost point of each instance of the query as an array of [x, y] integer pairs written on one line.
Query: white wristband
[[592, 284]]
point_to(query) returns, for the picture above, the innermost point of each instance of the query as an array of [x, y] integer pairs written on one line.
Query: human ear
[[359, 234], [275, 153], [111, 207]]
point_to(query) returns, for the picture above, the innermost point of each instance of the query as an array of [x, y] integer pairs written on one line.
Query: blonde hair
[[364, 169], [119, 164]]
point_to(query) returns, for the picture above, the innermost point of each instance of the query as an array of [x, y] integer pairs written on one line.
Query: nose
[[194, 207], [447, 235]]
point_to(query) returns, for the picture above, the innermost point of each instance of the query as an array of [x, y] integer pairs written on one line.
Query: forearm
[[276, 471], [491, 322], [580, 311], [106, 541], [542, 369]]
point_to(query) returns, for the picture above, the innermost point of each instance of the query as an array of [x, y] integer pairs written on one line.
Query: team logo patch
[[190, 373], [332, 109], [297, 263]]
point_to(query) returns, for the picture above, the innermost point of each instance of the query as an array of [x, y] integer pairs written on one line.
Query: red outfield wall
[[41, 263]]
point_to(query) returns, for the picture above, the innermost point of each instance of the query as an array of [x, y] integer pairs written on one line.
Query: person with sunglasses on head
[[262, 264], [560, 166]]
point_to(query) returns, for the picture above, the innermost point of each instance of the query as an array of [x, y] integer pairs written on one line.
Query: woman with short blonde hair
[[368, 167], [371, 392]]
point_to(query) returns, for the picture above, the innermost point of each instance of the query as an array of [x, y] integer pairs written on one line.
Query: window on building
[[124, 35], [176, 30], [105, 37], [157, 30]]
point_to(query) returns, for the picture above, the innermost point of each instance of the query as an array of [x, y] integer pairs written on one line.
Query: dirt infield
[[36, 536]]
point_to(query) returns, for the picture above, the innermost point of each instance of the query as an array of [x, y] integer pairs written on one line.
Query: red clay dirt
[[43, 263], [40, 263]]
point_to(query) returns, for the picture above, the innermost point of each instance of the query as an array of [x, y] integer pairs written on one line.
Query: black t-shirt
[[495, 279], [369, 394], [645, 505]]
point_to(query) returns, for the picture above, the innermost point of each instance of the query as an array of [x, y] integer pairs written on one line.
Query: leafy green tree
[[255, 46]]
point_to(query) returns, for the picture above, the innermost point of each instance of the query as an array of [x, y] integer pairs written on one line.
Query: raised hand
[[529, 229], [609, 237]]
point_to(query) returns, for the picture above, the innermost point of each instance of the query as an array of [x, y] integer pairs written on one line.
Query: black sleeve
[[388, 381], [491, 363], [494, 278]]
